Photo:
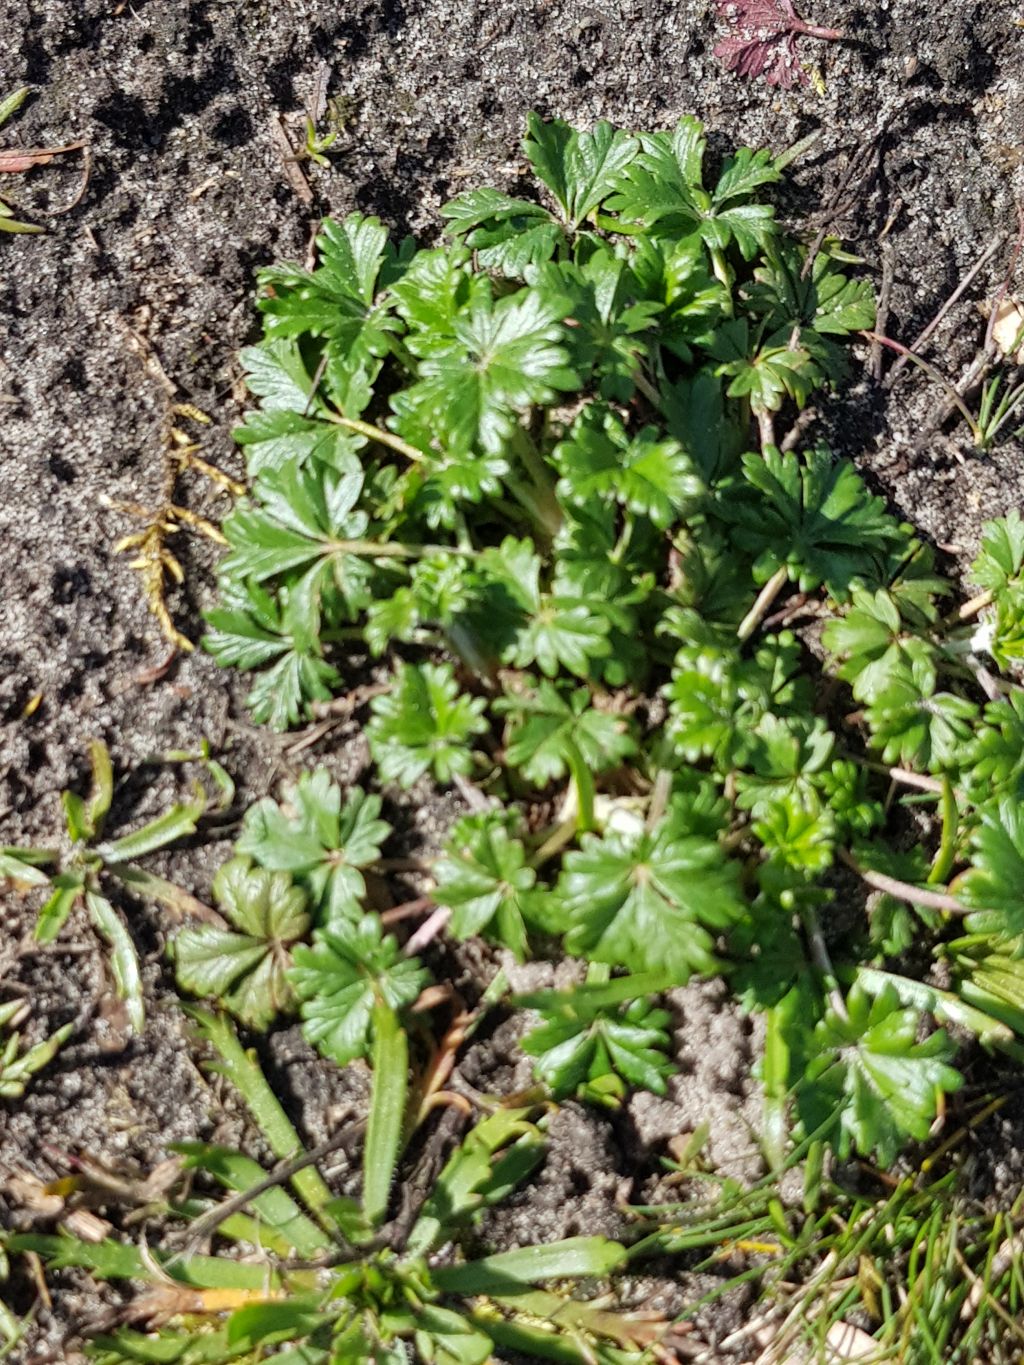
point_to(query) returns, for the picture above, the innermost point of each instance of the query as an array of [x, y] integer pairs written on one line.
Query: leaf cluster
[[530, 473]]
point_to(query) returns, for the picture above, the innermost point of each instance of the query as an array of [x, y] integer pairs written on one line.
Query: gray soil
[[187, 197]]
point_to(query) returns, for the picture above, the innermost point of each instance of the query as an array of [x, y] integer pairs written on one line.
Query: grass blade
[[387, 1111]]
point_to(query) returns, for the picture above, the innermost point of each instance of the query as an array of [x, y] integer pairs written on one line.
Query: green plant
[[516, 467], [342, 1282], [18, 1065], [81, 875], [9, 106], [928, 1273]]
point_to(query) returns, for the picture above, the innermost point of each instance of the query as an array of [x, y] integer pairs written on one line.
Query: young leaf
[[586, 1040], [994, 883], [245, 968], [649, 900], [549, 730], [663, 186], [647, 474], [579, 169], [813, 516], [17, 1067], [508, 235], [338, 302], [250, 629], [351, 969], [1001, 557], [873, 1079], [879, 651], [483, 877], [504, 356], [424, 723], [916, 728], [311, 834], [124, 960], [610, 336], [553, 630], [387, 1110], [992, 763], [786, 761]]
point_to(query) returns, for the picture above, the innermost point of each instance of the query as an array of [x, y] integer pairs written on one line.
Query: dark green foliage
[[319, 839], [596, 1040], [534, 482], [870, 1076], [350, 967]]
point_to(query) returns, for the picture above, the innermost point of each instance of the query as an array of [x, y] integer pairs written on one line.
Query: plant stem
[[765, 598], [821, 959], [905, 891], [932, 373], [377, 549], [827, 35], [970, 608], [548, 511], [378, 434]]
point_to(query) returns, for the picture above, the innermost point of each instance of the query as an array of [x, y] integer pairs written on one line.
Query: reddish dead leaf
[[14, 161], [763, 41]]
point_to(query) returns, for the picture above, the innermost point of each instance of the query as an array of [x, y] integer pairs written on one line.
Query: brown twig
[[205, 1225], [924, 335], [882, 311], [286, 151]]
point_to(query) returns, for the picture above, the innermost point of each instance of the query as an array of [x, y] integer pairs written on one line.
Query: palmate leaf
[[548, 728], [338, 303], [296, 518], [503, 356], [648, 474], [508, 235], [351, 968], [812, 515], [245, 967], [528, 626], [718, 697], [599, 1039], [766, 371], [423, 724], [250, 629], [992, 762], [611, 318], [649, 901], [787, 759], [578, 168], [663, 187], [1000, 560], [317, 838], [918, 728], [994, 883], [872, 1078], [483, 877], [807, 308], [272, 439], [879, 650]]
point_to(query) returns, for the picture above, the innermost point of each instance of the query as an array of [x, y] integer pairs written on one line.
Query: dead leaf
[[286, 151], [1008, 329], [14, 161], [170, 1300]]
